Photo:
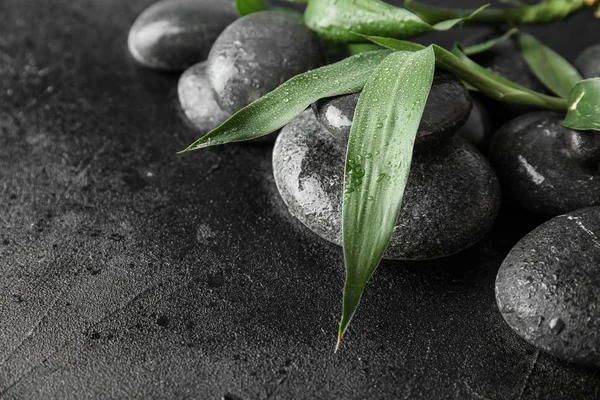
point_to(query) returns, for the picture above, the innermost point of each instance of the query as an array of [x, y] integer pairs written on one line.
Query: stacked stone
[[452, 197]]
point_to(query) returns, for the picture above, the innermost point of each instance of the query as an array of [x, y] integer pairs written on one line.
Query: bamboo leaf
[[378, 160], [245, 7], [483, 47], [280, 106], [556, 73], [336, 20], [584, 106]]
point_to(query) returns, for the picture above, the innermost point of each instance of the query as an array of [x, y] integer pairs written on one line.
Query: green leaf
[[544, 12], [378, 160], [487, 82], [584, 106], [336, 20], [556, 73], [280, 106], [483, 47], [245, 7]]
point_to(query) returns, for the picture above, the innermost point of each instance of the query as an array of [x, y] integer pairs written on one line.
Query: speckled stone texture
[[197, 99], [174, 34], [543, 167], [448, 107], [588, 62], [257, 53], [129, 272], [451, 199], [548, 287]]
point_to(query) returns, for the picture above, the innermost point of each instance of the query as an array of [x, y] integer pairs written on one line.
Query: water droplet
[[556, 325], [379, 125], [380, 177]]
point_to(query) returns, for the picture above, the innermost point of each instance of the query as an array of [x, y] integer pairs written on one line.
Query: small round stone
[[197, 99], [450, 202], [588, 62], [548, 287], [174, 34], [477, 130], [543, 168], [257, 53], [447, 109]]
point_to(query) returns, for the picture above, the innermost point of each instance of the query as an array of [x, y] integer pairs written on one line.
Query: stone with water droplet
[[450, 202], [175, 34], [588, 62], [561, 317], [266, 48], [545, 167], [447, 109]]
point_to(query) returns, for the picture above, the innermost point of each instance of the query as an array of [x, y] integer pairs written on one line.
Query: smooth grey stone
[[543, 168], [450, 202], [174, 34], [197, 99], [257, 53], [477, 130], [588, 62], [447, 109], [548, 287]]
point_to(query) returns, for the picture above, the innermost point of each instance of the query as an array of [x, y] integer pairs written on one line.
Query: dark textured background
[[128, 271]]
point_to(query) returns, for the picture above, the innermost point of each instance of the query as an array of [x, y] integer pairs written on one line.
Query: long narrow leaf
[[483, 47], [280, 106], [378, 160], [335, 20], [584, 106], [556, 73]]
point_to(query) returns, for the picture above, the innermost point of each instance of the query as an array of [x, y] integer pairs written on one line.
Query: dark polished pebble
[[588, 62], [548, 287], [477, 130], [447, 109], [257, 53], [197, 99], [174, 34], [450, 202], [545, 167]]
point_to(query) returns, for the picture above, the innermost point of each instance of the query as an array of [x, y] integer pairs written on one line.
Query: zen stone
[[174, 34], [450, 202], [197, 99], [545, 167], [257, 53], [447, 109], [477, 130], [588, 62], [548, 287]]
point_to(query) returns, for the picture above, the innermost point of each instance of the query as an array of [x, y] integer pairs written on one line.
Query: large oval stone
[[198, 101], [450, 202], [588, 62], [548, 287], [447, 109], [174, 34], [257, 53], [545, 167]]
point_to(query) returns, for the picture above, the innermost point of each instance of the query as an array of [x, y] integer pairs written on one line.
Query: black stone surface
[[588, 62], [129, 272], [548, 287], [448, 107], [257, 53], [175, 34], [450, 202], [545, 167]]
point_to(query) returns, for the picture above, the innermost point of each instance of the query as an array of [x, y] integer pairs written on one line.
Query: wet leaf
[[280, 106], [245, 7], [584, 106], [556, 73], [378, 160], [336, 20]]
